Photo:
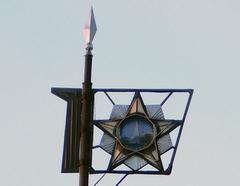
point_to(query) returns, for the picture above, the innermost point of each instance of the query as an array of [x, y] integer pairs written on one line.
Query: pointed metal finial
[[90, 30]]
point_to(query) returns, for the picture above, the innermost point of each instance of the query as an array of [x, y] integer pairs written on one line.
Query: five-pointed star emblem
[[136, 135]]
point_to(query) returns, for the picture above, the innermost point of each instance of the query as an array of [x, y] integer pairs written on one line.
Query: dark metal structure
[[73, 97], [70, 161], [135, 135]]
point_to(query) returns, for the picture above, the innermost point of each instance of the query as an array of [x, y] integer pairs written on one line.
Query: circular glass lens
[[136, 132]]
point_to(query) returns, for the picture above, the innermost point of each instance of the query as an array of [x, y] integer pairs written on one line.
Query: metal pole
[[87, 102], [86, 117]]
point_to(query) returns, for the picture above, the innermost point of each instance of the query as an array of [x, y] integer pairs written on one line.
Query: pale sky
[[139, 44]]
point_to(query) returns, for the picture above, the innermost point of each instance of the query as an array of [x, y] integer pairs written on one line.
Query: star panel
[[137, 158], [119, 156], [107, 143], [135, 162]]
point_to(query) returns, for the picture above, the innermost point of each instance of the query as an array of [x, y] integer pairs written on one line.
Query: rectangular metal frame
[[170, 91]]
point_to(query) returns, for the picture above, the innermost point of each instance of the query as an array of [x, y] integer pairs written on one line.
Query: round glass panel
[[136, 133]]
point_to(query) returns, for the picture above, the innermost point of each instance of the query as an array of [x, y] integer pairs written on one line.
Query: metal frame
[[71, 168], [170, 91], [70, 160]]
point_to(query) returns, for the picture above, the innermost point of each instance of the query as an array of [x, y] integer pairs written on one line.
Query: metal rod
[[55, 89], [166, 98], [141, 90], [181, 128], [127, 172], [86, 118], [100, 179], [96, 146], [118, 183], [109, 98]]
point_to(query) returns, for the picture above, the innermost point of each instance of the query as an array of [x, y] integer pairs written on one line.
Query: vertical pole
[[86, 117], [87, 102]]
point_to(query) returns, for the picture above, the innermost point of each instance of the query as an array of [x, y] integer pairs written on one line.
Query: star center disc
[[136, 133]]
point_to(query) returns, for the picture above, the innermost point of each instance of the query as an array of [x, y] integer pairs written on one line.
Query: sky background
[[139, 44]]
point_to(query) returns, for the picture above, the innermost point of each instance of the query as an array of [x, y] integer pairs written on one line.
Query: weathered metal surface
[[70, 161], [164, 143], [134, 158], [86, 121]]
